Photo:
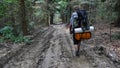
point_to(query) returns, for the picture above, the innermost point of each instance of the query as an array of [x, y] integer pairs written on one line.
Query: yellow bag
[[84, 35]]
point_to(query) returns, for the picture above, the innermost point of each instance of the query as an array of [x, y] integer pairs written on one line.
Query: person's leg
[[76, 45], [75, 42], [77, 49]]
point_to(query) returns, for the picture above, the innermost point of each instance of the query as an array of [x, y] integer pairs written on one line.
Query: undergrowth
[[7, 35]]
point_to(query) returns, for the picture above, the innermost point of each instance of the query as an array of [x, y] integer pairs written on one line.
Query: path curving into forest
[[53, 48]]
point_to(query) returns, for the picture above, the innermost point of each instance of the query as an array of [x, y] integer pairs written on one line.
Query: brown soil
[[53, 48]]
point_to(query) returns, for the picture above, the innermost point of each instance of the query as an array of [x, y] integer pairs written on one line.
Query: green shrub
[[105, 10], [7, 34], [21, 39], [1, 39], [116, 36]]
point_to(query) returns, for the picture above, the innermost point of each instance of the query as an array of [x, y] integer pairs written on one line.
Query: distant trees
[[50, 7]]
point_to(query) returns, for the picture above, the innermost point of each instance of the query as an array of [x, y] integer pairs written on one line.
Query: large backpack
[[82, 20]]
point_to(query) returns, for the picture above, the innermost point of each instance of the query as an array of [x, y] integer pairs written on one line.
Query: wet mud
[[53, 48]]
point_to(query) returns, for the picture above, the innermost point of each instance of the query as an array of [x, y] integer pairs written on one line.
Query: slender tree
[[52, 11], [69, 9], [23, 16]]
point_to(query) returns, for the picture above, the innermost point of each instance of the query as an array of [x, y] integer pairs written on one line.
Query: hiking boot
[[77, 53]]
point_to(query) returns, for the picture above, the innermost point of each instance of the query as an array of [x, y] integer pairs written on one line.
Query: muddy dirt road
[[54, 49]]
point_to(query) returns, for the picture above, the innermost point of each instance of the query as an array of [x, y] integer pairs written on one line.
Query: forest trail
[[54, 49]]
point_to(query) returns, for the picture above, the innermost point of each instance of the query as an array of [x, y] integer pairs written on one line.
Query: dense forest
[[20, 17], [36, 34]]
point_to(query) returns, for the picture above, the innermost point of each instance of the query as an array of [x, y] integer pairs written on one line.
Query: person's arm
[[71, 20], [71, 25], [73, 16]]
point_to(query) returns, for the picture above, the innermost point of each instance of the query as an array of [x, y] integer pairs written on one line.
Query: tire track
[[54, 49], [29, 56]]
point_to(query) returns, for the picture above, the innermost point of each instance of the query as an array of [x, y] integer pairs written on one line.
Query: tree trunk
[[23, 17], [117, 9], [47, 16], [69, 13], [51, 18], [62, 17], [117, 23], [13, 25]]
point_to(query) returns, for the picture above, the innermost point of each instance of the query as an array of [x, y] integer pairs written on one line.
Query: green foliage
[[105, 10], [3, 8], [6, 32], [21, 39], [10, 20], [45, 9], [7, 35], [4, 5], [10, 1], [62, 4], [1, 39], [116, 36], [103, 0]]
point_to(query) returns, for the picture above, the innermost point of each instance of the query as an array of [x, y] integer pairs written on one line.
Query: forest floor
[[53, 48]]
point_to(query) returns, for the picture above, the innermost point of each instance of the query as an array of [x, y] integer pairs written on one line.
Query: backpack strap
[[80, 14], [82, 19]]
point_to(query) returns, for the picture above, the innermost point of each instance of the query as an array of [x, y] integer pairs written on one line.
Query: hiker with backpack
[[78, 19]]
